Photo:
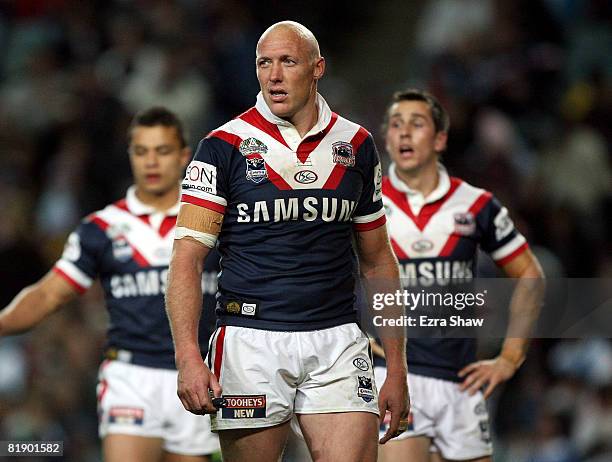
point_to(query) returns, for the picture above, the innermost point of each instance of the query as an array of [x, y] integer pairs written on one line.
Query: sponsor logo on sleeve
[[342, 153], [244, 407], [377, 183], [201, 176], [126, 415], [503, 224], [364, 388], [72, 249]]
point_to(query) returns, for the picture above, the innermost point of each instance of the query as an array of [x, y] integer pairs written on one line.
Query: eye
[[163, 150], [263, 62], [290, 61], [138, 151]]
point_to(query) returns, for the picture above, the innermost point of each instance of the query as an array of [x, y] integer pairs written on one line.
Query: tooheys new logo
[[244, 407]]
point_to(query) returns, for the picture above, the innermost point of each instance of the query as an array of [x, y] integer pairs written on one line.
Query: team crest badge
[[252, 146], [364, 388], [122, 250], [465, 224], [256, 170], [343, 153]]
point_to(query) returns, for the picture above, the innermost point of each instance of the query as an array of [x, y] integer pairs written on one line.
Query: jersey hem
[[284, 326]]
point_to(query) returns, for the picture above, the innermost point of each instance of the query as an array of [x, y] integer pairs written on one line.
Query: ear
[[319, 68], [440, 141], [186, 154]]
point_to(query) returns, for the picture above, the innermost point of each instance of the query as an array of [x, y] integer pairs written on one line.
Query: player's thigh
[[296, 449], [414, 449], [346, 436], [121, 448], [170, 457], [479, 459], [257, 444]]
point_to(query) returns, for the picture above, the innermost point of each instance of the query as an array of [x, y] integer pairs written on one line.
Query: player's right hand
[[195, 380]]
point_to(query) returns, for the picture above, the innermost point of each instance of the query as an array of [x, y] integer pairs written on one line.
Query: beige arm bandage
[[200, 224]]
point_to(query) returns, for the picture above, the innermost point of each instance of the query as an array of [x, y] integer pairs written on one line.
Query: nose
[[276, 72], [151, 158]]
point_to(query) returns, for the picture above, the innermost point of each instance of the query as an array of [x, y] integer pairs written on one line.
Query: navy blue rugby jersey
[[436, 241], [290, 205], [128, 246]]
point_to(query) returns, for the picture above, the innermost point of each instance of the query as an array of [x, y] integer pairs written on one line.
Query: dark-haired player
[[436, 224], [128, 246]]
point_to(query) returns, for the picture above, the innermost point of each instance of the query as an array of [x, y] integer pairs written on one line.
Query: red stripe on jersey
[[254, 118], [166, 226], [229, 138], [513, 255], [361, 135], [203, 203], [476, 207], [427, 211], [310, 144], [100, 223], [276, 179], [399, 252], [79, 288], [122, 204], [335, 177], [370, 225], [219, 352], [145, 219]]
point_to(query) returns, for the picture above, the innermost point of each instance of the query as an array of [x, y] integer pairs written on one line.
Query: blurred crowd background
[[528, 84]]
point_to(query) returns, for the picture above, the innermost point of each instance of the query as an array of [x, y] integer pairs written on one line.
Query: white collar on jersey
[[137, 207], [416, 196], [325, 115]]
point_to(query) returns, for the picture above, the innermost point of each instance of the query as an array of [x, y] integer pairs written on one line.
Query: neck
[[161, 202], [307, 117], [424, 179]]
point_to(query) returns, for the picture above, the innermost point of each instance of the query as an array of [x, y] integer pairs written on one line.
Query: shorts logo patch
[[126, 415], [342, 153], [485, 435], [252, 146], [256, 170], [244, 407], [480, 409], [465, 224], [364, 388], [361, 364]]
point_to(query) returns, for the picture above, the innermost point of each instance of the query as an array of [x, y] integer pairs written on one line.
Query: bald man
[[280, 190]]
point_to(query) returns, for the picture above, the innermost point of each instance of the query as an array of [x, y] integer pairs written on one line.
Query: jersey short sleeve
[[80, 260], [205, 182], [501, 240], [369, 213]]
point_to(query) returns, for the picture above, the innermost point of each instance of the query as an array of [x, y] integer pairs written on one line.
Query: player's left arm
[[524, 310], [379, 268]]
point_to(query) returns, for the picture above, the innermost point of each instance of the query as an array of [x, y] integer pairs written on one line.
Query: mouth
[[278, 96], [406, 151], [153, 177]]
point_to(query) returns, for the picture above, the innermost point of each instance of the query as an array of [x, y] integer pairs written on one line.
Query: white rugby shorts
[[267, 376], [456, 423], [142, 401]]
